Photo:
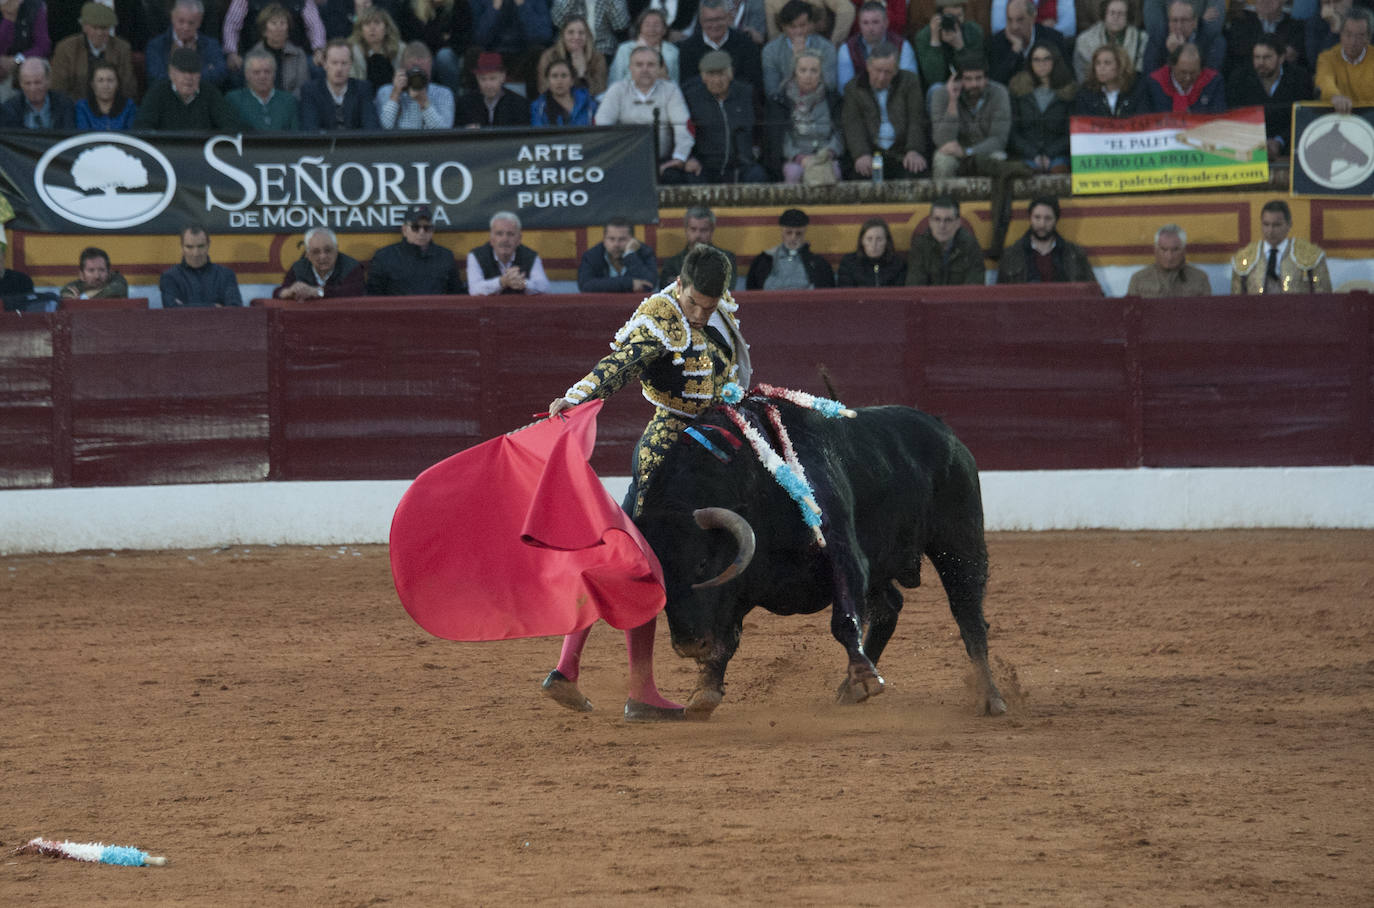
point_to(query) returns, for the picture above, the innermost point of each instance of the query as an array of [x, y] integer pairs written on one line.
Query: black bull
[[893, 483]]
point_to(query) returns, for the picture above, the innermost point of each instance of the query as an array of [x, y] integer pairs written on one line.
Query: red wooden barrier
[[1030, 377]]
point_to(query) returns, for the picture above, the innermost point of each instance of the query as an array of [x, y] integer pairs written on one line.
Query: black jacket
[[858, 270], [744, 53], [319, 112], [817, 268], [722, 127], [63, 111], [511, 110], [594, 272], [1005, 62], [1018, 263], [1130, 103], [403, 269], [1295, 84]]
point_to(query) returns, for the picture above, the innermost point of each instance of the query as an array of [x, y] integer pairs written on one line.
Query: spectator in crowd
[[896, 14], [561, 103], [751, 18], [946, 252], [940, 44], [884, 114], [1267, 18], [376, 46], [874, 263], [16, 289], [678, 17], [323, 271], [620, 263], [261, 107], [503, 264], [416, 266], [699, 223], [1112, 88], [797, 36], [1059, 15], [804, 124], [412, 101], [1323, 31], [196, 281], [1158, 16], [445, 27], [971, 122], [790, 265], [95, 279], [1345, 73], [649, 30], [139, 20], [1276, 85], [722, 111], [1185, 85], [872, 31], [492, 104], [187, 17], [601, 19], [338, 16], [293, 64], [834, 19], [243, 21], [1042, 256], [1041, 104], [574, 47], [23, 34], [104, 107], [1277, 262], [73, 56], [37, 106], [181, 102], [1009, 50], [1113, 27], [337, 101], [1183, 29], [1170, 275], [713, 32], [518, 30], [636, 101]]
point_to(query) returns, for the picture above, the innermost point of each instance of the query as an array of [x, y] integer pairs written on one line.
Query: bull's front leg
[[710, 689], [851, 580]]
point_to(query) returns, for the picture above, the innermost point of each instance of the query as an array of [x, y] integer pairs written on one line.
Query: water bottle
[[877, 166]]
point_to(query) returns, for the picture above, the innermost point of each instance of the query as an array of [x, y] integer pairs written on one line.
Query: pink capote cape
[[516, 537]]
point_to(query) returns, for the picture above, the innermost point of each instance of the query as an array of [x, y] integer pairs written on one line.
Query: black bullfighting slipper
[[566, 692], [645, 712]]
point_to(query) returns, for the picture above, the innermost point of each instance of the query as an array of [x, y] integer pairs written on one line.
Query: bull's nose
[[692, 649]]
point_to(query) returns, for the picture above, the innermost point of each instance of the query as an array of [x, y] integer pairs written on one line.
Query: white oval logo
[[101, 187], [1337, 151]]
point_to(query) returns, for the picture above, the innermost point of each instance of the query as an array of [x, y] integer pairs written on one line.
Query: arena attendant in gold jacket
[[1278, 263]]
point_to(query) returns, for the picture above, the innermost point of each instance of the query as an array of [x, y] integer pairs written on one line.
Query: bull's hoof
[[561, 690], [645, 712], [702, 703], [996, 706], [859, 686]]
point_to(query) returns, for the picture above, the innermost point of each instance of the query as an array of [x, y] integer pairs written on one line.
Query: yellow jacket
[[1337, 77]]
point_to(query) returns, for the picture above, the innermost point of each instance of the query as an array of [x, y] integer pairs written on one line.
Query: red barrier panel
[[133, 302], [381, 389]]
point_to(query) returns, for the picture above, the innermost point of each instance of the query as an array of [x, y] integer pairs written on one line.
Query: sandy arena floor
[[1192, 724]]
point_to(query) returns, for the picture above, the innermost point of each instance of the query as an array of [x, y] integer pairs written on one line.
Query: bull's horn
[[737, 526]]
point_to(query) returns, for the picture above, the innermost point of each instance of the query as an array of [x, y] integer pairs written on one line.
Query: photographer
[[944, 40], [412, 101]]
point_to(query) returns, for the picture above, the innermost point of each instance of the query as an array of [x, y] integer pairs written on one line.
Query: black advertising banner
[[1333, 154], [350, 182]]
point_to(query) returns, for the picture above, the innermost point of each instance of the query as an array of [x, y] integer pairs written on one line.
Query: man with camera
[[412, 101], [944, 40]]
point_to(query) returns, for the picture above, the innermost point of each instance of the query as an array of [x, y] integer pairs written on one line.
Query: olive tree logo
[[108, 184]]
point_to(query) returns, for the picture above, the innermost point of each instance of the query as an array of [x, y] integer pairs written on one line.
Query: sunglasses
[[421, 226]]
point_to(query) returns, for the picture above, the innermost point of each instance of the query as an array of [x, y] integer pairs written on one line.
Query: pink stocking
[[570, 660], [639, 641]]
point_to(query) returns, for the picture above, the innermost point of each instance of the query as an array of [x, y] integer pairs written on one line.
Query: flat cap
[[98, 15], [185, 59], [715, 61]]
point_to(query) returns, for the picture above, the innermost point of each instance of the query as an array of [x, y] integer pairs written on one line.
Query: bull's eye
[[702, 567]]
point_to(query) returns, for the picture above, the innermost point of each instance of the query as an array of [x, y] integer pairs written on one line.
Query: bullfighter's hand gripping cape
[[517, 537]]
